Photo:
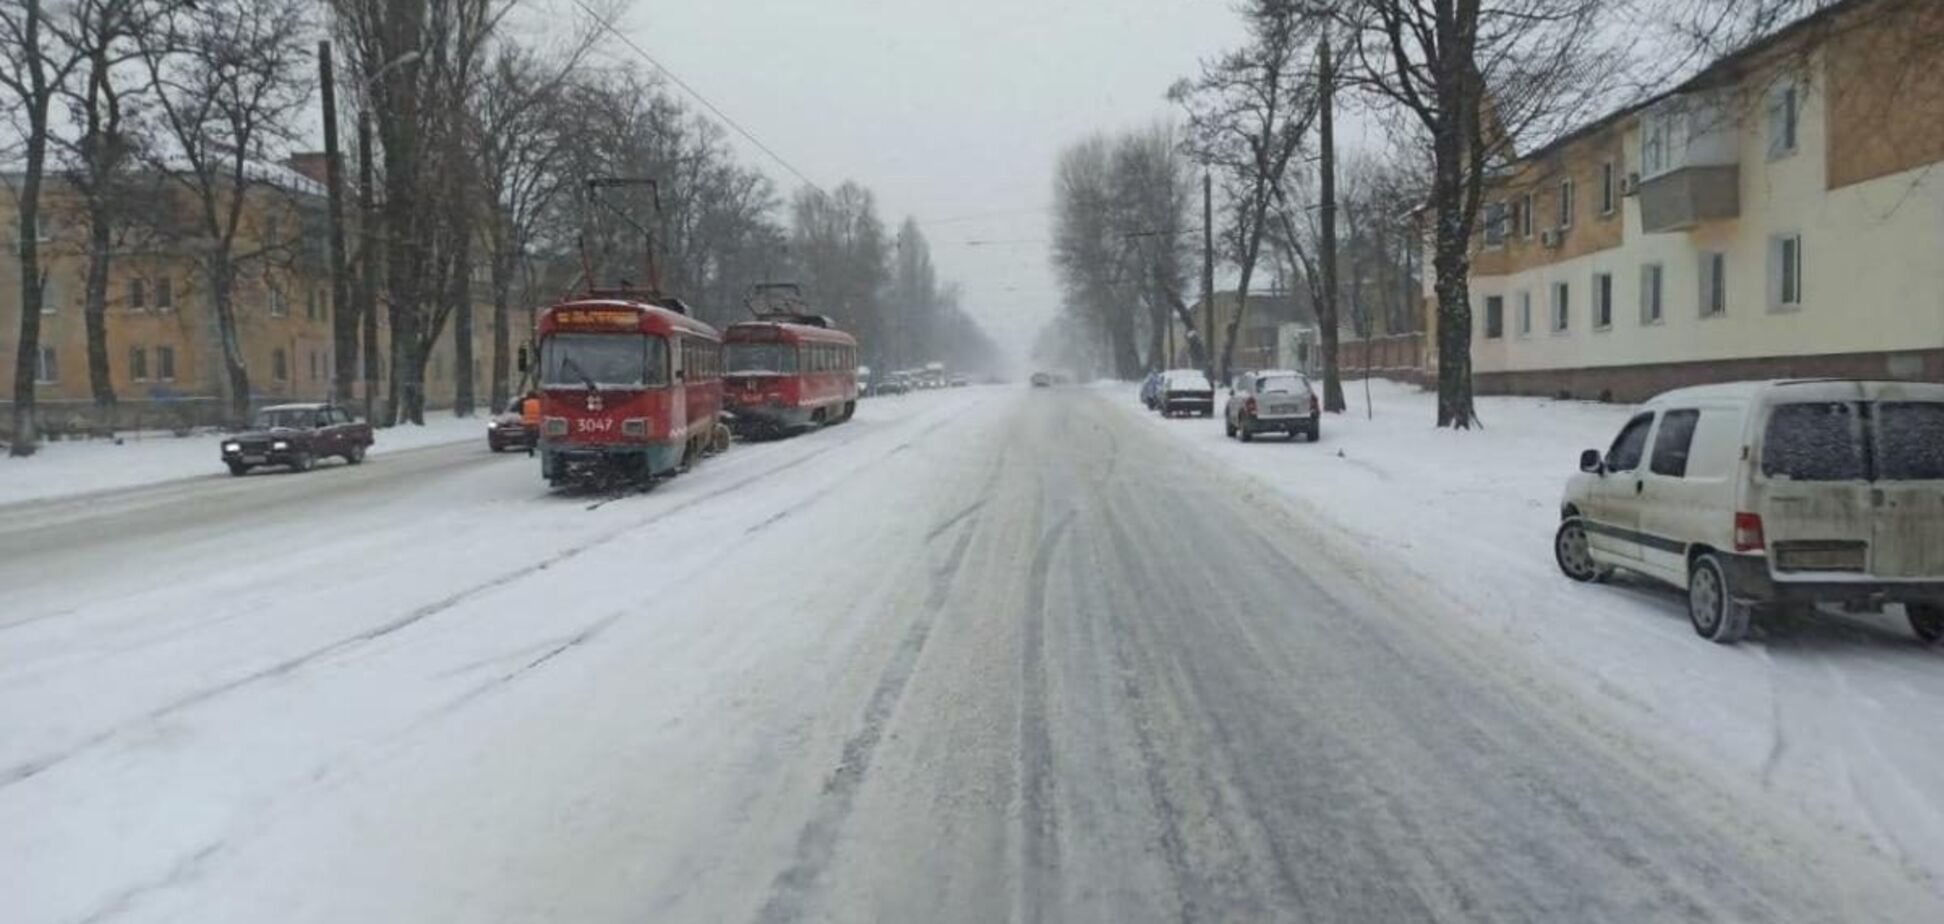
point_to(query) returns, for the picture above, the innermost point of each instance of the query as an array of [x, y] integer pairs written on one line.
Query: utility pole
[[1332, 382], [367, 272], [1208, 271], [344, 330]]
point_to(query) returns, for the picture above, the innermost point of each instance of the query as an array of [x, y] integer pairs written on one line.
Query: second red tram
[[629, 390], [785, 374]]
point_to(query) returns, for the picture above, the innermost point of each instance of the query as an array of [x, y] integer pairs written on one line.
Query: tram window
[[571, 360], [762, 357]]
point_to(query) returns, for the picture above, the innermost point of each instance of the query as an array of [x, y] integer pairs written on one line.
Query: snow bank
[[65, 468], [1837, 713]]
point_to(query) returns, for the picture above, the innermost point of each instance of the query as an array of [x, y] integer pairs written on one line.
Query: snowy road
[[988, 654]]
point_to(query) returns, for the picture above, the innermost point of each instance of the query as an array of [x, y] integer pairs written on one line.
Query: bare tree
[[33, 68], [1152, 189], [1087, 251], [230, 78], [1479, 77], [1248, 112]]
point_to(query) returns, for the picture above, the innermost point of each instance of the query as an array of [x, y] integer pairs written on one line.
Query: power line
[[691, 91]]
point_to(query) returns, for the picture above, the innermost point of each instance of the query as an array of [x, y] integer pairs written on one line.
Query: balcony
[[1681, 199]]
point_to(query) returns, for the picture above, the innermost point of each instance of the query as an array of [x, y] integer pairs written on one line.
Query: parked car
[[1187, 391], [1272, 401], [1042, 379], [891, 384], [509, 429], [1758, 495], [1151, 390], [296, 436], [960, 381]]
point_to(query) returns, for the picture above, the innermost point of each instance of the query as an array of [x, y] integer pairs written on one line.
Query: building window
[[323, 304], [1714, 283], [49, 371], [50, 293], [164, 296], [1525, 314], [310, 304], [279, 365], [279, 306], [136, 297], [1607, 188], [165, 364], [313, 365], [1653, 145], [272, 234], [1566, 204], [1785, 271], [1782, 105], [1602, 301], [1525, 216], [1650, 293], [1494, 317], [1561, 307], [137, 364], [1495, 224]]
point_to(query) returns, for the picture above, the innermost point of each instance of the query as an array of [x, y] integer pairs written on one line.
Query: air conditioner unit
[[1551, 237], [1630, 184]]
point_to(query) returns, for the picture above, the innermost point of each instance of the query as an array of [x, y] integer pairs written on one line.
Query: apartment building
[[1780, 214], [162, 344]]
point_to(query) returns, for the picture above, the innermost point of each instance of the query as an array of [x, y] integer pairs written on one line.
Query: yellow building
[[162, 343], [1778, 215]]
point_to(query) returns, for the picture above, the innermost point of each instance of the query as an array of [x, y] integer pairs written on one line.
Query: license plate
[[1282, 408], [254, 460], [1833, 557]]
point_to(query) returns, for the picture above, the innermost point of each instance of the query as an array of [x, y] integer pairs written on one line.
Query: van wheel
[[1574, 554], [1926, 620], [1711, 604], [1228, 427]]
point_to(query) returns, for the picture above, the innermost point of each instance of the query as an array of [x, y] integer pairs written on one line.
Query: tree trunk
[[25, 438], [1258, 207], [1451, 259], [95, 315], [1326, 317], [236, 371], [344, 317], [368, 268]]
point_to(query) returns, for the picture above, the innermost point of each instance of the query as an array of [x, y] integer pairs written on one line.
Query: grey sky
[[946, 108]]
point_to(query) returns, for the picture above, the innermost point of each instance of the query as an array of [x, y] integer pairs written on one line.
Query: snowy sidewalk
[[1836, 713], [66, 469]]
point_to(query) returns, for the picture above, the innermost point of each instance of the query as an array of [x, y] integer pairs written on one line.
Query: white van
[[1757, 494]]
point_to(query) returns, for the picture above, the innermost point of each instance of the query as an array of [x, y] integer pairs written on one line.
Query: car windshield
[[1281, 385], [754, 358], [573, 360], [285, 418]]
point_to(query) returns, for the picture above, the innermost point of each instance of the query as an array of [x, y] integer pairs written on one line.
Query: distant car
[[892, 384], [1187, 391], [1272, 401], [1758, 495], [1042, 380], [960, 381], [1151, 390], [508, 430], [863, 381], [297, 436]]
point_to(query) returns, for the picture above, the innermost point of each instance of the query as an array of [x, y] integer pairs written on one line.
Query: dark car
[[296, 436], [1187, 391], [508, 430], [1042, 380]]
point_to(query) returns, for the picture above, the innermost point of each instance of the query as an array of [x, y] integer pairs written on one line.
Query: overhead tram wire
[[697, 95]]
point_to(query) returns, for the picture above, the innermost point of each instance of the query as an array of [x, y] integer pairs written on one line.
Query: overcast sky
[[945, 108]]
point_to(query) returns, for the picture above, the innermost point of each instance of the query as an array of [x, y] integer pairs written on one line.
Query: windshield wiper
[[566, 361]]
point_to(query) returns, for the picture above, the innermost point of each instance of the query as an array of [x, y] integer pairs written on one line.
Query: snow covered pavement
[[67, 468], [980, 654], [1838, 714]]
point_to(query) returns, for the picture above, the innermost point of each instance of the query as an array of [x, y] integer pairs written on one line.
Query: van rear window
[[1822, 441], [1909, 440]]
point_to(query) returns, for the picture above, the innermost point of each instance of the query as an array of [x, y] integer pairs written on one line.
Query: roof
[[793, 330]]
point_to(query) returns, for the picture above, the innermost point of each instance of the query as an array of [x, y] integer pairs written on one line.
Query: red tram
[[789, 372], [629, 389]]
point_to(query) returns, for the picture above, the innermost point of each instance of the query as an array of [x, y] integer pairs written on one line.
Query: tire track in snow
[[796, 885], [33, 767], [1039, 851]]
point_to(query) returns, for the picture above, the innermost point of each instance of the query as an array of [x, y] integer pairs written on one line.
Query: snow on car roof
[[304, 406]]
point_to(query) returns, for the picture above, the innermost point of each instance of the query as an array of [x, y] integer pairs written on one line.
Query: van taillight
[[1248, 405], [1748, 532]]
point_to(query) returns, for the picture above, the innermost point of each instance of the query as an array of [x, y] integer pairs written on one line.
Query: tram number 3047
[[593, 424]]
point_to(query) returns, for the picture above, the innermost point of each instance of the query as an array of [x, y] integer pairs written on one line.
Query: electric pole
[[367, 271], [344, 331], [1208, 271], [1327, 316]]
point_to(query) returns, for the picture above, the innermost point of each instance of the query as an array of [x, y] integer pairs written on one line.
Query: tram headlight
[[232, 447], [634, 426], [279, 446]]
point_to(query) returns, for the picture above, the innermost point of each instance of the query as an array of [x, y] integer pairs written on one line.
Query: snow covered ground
[[1838, 713], [68, 467]]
